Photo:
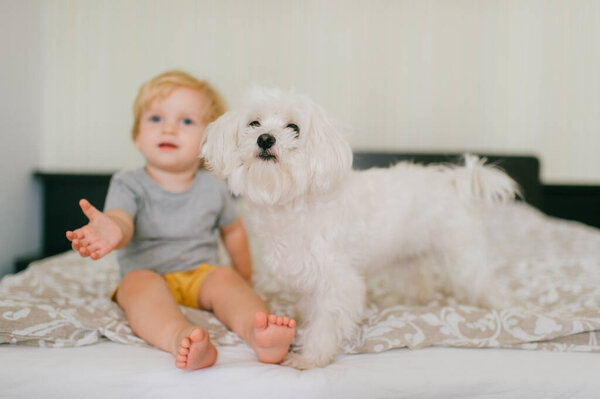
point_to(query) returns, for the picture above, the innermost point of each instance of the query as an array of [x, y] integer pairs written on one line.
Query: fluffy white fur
[[323, 227]]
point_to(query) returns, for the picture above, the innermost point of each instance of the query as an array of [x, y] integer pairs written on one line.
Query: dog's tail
[[477, 180]]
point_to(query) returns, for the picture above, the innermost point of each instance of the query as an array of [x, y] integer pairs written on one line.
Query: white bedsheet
[[112, 370]]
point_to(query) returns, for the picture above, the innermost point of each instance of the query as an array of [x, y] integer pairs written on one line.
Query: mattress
[[63, 337]]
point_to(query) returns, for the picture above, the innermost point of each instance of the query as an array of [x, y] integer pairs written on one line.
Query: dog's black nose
[[265, 141]]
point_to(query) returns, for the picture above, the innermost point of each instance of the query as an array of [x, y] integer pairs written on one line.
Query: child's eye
[[188, 121], [155, 118]]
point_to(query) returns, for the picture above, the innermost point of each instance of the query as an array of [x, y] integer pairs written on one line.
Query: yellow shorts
[[185, 285]]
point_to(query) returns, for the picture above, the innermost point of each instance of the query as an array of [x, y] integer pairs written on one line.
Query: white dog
[[323, 227]]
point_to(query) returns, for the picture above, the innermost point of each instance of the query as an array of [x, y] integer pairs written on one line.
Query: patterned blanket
[[548, 268]]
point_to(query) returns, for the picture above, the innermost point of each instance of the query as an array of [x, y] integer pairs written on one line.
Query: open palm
[[97, 238]]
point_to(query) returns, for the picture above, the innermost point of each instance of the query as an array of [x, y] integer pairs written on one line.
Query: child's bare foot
[[272, 337], [195, 351]]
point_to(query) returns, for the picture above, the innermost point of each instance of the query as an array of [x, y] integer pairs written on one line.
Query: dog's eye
[[254, 124], [294, 127]]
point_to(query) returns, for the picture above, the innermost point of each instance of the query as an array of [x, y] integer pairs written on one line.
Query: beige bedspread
[[549, 268]]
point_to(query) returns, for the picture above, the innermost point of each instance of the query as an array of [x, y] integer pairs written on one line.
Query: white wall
[[495, 76], [20, 110]]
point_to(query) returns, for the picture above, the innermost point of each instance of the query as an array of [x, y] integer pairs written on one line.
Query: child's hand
[[97, 238]]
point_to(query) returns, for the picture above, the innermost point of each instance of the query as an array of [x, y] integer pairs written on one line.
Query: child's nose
[[169, 128]]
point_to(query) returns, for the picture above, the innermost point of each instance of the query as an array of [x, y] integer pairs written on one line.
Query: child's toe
[[185, 343]]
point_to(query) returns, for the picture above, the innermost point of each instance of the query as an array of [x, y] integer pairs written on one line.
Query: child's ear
[[218, 147]]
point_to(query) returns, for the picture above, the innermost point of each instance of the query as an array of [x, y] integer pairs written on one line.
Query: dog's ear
[[219, 144], [329, 154]]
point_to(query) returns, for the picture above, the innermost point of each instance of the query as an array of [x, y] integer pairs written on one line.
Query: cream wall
[[478, 75], [20, 109]]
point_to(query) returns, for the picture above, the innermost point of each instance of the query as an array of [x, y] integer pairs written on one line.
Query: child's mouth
[[167, 146]]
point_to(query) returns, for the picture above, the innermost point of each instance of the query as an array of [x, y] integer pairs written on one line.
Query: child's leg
[[154, 316], [240, 308]]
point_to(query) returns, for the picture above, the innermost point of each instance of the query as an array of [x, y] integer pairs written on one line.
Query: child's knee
[[214, 283], [137, 280], [224, 275]]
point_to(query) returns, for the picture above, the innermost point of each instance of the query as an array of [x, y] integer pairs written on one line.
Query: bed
[[61, 337]]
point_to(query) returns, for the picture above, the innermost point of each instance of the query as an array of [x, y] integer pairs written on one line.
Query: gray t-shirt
[[173, 231]]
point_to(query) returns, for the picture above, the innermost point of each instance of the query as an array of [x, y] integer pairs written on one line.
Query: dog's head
[[278, 147]]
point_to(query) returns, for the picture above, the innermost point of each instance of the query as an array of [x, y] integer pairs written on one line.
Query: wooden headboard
[[62, 192]]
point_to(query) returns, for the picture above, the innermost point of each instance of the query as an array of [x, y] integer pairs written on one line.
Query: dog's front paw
[[302, 362]]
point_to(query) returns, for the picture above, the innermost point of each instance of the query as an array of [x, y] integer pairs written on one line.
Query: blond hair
[[163, 85]]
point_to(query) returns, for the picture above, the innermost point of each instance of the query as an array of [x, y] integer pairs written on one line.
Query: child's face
[[171, 129]]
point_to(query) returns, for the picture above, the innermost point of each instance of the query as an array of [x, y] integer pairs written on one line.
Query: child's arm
[[236, 243], [104, 232]]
